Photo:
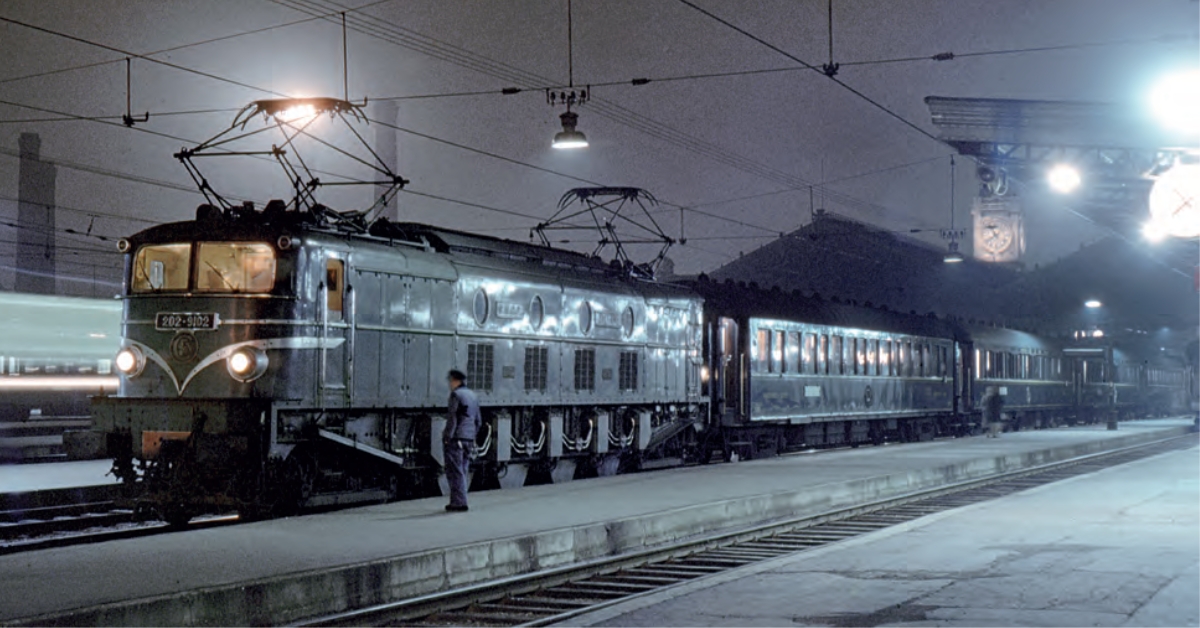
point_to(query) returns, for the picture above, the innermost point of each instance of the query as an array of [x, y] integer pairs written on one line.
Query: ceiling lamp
[[952, 255], [1064, 178], [1175, 100], [569, 137]]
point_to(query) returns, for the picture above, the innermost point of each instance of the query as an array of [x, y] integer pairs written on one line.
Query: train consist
[[278, 360], [55, 353]]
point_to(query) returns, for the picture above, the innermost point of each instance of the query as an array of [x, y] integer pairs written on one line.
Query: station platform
[[24, 478], [278, 571]]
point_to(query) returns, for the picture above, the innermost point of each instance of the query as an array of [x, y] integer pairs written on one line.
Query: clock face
[[996, 235]]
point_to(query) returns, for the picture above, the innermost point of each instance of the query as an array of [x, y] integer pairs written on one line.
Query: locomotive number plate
[[170, 321]]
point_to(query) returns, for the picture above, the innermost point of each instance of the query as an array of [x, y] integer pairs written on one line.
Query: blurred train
[[278, 360], [55, 353]]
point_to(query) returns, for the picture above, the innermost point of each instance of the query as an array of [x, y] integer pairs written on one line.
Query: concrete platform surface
[[22, 478], [1120, 547], [282, 570]]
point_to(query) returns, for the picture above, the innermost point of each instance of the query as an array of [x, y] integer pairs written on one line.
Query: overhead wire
[[811, 67], [407, 38], [67, 116], [131, 54]]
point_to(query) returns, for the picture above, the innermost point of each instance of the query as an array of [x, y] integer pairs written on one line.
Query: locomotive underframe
[[187, 457]]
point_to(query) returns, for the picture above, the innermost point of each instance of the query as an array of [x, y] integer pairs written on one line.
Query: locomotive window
[[536, 367], [777, 350], [480, 306], [628, 371], [943, 361], [627, 321], [585, 369], [585, 317], [537, 313], [235, 267], [161, 267], [335, 273], [481, 365]]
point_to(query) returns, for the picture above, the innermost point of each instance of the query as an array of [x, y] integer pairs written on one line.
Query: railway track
[[557, 595], [74, 516]]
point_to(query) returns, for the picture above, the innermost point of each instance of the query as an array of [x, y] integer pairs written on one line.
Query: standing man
[[993, 406], [458, 439]]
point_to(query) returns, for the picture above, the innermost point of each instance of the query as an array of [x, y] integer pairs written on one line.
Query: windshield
[[220, 267], [161, 267], [235, 267]]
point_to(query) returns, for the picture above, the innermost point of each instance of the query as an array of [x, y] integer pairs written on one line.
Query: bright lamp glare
[[126, 361], [565, 141], [296, 112], [1175, 100], [1154, 231], [1099, 333], [1092, 303], [241, 362], [1175, 201], [1063, 178]]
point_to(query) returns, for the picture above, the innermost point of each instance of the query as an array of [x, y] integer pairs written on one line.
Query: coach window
[[335, 275], [791, 354], [837, 363], [823, 356], [873, 356], [762, 350], [810, 353], [777, 349]]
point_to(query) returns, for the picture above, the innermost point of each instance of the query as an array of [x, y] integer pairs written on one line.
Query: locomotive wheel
[[297, 482], [176, 515]]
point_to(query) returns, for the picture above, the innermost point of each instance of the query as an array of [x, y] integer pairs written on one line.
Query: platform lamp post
[[1093, 311]]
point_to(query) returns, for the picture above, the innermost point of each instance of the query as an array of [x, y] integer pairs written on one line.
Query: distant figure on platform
[[458, 439], [993, 417]]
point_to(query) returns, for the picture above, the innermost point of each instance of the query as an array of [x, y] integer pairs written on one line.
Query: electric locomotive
[[280, 359]]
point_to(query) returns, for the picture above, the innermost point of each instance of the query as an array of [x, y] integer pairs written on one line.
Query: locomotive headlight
[[246, 364], [130, 361], [704, 374]]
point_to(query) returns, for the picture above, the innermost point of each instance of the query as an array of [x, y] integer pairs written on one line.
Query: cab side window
[[335, 288]]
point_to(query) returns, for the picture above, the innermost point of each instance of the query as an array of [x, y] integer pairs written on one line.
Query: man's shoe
[[453, 508]]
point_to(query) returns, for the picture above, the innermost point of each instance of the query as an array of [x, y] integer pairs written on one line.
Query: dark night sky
[[797, 126]]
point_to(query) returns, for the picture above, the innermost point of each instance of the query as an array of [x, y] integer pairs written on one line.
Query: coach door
[[337, 315], [728, 375]]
